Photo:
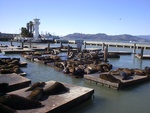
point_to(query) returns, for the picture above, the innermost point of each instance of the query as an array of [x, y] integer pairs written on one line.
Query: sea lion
[[6, 109], [36, 94], [18, 102], [109, 77], [123, 75], [56, 88], [37, 84]]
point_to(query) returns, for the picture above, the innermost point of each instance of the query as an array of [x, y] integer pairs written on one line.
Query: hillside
[[105, 37]]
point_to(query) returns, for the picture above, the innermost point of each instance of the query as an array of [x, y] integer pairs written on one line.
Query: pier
[[112, 44]]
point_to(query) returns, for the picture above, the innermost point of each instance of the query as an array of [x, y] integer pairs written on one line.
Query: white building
[[36, 24]]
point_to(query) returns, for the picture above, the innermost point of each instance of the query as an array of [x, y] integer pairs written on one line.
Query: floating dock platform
[[15, 81], [61, 102], [143, 57], [121, 52], [15, 51], [136, 79]]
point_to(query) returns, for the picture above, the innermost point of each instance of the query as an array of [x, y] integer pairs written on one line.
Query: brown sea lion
[[56, 88], [36, 84], [18, 102], [6, 109], [147, 70], [36, 94], [139, 72], [109, 77]]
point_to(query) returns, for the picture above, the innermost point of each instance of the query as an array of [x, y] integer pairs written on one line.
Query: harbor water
[[135, 99]]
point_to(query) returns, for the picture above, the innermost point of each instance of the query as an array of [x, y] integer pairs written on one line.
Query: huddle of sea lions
[[10, 66], [38, 91], [9, 103], [125, 73], [83, 66]]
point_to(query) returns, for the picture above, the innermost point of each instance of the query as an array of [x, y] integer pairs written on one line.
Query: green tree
[[30, 26], [24, 32]]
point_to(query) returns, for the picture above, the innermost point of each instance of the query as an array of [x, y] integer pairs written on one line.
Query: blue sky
[[62, 17]]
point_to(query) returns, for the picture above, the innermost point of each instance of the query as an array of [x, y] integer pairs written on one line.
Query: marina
[[75, 56], [42, 72]]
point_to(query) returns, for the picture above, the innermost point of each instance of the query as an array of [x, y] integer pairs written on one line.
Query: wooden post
[[48, 46], [105, 53], [22, 43], [60, 44], [68, 50], [11, 43], [85, 45], [30, 43], [142, 50], [103, 46], [134, 48]]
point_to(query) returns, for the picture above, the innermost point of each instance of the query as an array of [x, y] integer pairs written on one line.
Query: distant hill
[[105, 37], [145, 36]]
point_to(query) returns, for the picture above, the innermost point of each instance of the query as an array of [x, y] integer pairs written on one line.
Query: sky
[[63, 17]]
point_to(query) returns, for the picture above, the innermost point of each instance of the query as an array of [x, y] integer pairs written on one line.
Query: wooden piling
[[85, 45], [22, 43], [11, 43], [68, 50], [103, 46], [142, 50], [105, 53], [134, 48], [30, 43], [48, 46], [60, 44]]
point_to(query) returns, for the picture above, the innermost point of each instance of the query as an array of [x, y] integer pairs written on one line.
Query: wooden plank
[[61, 102]]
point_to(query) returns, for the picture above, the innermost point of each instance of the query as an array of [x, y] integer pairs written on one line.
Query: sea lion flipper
[[36, 84], [36, 94]]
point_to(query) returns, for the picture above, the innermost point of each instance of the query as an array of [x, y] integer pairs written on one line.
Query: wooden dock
[[94, 78], [121, 52], [142, 57], [15, 51], [114, 44], [15, 81], [61, 102]]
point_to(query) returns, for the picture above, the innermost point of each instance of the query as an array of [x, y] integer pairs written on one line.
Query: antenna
[[36, 10]]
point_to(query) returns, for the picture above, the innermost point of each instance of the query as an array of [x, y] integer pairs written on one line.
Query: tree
[[30, 26], [24, 32]]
